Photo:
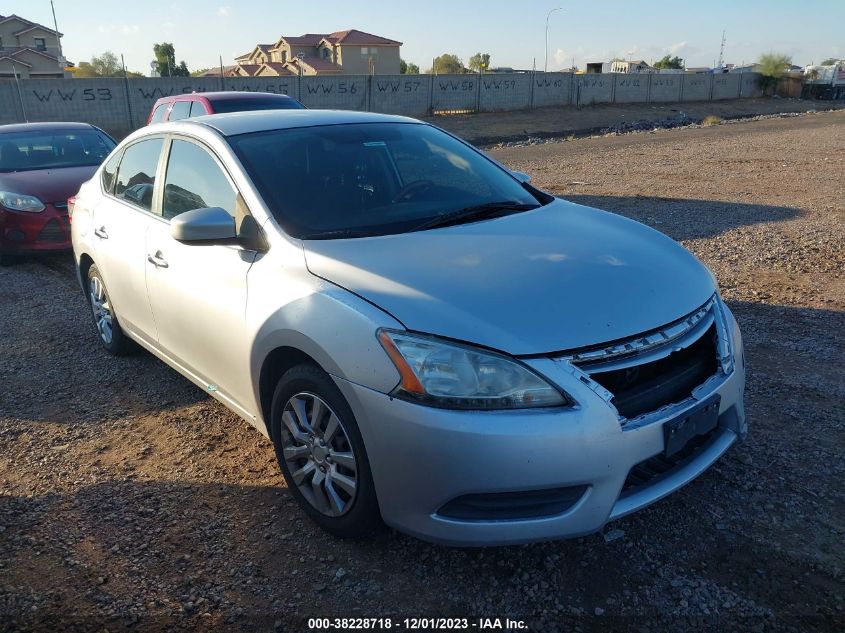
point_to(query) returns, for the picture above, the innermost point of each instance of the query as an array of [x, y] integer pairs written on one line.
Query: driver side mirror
[[521, 176], [211, 224]]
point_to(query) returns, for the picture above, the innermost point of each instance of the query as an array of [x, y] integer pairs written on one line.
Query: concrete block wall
[[551, 89], [454, 92], [101, 102], [409, 95], [500, 91], [665, 88], [630, 88], [596, 88], [696, 87], [10, 110], [750, 85], [726, 86], [119, 106], [340, 92]]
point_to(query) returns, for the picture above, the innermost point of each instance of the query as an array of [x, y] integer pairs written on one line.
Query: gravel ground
[[130, 500], [489, 128]]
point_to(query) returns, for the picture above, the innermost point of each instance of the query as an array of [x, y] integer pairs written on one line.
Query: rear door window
[[197, 109], [195, 181], [158, 113], [180, 110], [135, 179]]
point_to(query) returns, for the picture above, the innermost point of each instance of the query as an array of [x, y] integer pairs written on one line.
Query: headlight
[[454, 376], [21, 202]]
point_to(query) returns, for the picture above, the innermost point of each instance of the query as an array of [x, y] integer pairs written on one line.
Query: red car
[[41, 166], [201, 103]]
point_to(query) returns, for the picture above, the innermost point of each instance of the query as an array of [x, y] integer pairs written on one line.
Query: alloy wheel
[[102, 308], [318, 454]]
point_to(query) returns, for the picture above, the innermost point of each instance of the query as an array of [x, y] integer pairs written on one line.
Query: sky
[[511, 31]]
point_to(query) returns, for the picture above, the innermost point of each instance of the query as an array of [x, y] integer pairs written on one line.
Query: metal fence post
[[613, 88], [531, 90], [648, 88], [478, 92], [128, 96], [20, 94], [739, 95], [431, 93]]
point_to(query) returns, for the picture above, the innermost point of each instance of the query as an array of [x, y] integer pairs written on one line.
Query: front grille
[[662, 367], [651, 470], [641, 388], [52, 232], [512, 506]]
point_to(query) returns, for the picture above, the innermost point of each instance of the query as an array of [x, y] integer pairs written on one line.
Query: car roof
[[233, 123], [226, 95], [34, 127]]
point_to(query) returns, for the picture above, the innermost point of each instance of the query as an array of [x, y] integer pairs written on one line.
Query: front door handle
[[157, 260], [101, 233]]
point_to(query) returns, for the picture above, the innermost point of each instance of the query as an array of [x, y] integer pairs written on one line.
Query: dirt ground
[[495, 127], [129, 500]]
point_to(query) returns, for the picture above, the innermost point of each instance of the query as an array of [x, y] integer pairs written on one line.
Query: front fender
[[335, 328]]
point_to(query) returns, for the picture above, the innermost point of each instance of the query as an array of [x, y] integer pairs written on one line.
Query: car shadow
[[684, 219]]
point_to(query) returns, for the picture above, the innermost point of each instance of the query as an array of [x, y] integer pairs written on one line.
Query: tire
[[110, 334], [315, 461]]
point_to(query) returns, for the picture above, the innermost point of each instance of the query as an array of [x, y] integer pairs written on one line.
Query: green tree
[[772, 66], [105, 65], [479, 61], [669, 62], [408, 69], [447, 64], [165, 56], [830, 61]]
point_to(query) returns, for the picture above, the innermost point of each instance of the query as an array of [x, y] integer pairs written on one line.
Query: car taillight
[[70, 202]]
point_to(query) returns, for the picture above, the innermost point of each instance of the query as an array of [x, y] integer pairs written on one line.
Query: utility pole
[[722, 51], [58, 37], [548, 15]]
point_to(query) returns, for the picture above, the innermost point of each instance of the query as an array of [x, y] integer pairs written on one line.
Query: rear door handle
[[157, 260], [101, 233]]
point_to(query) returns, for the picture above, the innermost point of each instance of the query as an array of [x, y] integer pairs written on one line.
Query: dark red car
[[41, 166], [194, 104]]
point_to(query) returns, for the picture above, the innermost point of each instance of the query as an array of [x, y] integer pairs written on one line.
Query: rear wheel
[[111, 335], [321, 453]]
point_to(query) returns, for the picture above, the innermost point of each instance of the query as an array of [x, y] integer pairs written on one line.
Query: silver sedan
[[428, 340]]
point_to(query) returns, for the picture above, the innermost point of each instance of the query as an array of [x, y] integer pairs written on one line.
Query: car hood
[[556, 278], [48, 185]]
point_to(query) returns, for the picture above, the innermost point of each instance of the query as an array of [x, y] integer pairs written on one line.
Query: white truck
[[825, 82]]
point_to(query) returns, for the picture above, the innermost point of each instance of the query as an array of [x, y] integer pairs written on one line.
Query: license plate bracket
[[694, 422]]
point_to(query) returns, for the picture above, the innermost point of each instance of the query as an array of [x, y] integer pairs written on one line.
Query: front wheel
[[111, 335], [321, 453]]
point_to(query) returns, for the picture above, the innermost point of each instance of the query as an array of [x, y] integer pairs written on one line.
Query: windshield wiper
[[476, 212], [336, 235]]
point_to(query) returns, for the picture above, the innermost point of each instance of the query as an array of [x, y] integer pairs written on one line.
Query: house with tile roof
[[350, 52], [30, 49]]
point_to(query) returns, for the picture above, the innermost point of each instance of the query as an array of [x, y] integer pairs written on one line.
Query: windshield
[[372, 178], [247, 104], [26, 151]]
